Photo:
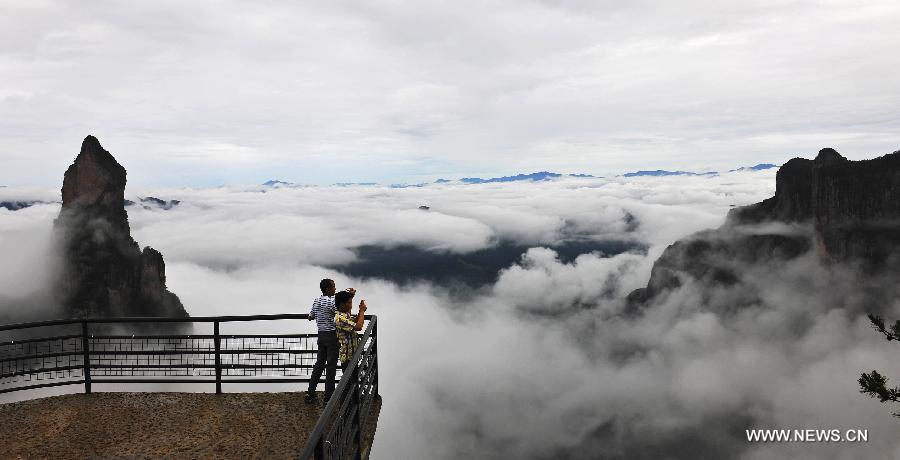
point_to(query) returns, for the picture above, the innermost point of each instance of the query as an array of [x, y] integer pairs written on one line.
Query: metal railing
[[122, 351], [340, 431]]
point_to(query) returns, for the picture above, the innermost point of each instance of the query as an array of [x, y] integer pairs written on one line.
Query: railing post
[[319, 453], [86, 356], [375, 358], [218, 358], [356, 401]]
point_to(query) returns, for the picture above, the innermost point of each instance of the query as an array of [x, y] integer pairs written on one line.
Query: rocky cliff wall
[[847, 211]]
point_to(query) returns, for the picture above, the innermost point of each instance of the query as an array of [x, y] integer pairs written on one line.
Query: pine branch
[[875, 385], [892, 333]]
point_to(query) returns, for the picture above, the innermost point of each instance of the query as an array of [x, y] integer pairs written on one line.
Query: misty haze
[[588, 230]]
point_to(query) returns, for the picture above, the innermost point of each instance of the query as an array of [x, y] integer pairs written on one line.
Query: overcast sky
[[205, 93]]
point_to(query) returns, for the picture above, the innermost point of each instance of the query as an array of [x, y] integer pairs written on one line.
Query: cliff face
[[105, 273], [848, 211], [854, 206]]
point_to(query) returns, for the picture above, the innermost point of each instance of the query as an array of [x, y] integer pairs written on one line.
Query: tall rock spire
[[105, 273], [94, 179]]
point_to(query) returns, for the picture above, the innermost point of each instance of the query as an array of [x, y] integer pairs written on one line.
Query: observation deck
[[161, 363]]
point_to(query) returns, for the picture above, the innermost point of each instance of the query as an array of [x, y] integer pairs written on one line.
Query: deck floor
[[153, 425]]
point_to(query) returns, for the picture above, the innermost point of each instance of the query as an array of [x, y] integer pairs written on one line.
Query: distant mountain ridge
[[276, 183], [663, 173], [759, 167], [531, 177], [151, 202], [537, 176], [15, 205]]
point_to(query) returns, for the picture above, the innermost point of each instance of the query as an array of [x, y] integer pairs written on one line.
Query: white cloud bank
[[541, 365]]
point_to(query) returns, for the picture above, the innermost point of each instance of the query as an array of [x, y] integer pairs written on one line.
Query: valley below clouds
[[503, 323]]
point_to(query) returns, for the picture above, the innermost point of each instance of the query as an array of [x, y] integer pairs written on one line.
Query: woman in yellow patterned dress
[[347, 324]]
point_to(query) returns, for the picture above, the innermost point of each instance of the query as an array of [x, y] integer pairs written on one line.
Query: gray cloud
[[228, 92]]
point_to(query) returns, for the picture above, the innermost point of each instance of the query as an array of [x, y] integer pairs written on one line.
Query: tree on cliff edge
[[873, 383]]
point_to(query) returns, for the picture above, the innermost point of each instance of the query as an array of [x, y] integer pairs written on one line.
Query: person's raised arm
[[361, 316], [312, 312]]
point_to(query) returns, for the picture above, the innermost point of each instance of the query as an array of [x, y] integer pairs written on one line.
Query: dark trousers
[[326, 359]]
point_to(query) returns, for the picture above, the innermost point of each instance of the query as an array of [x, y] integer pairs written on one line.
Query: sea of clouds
[[543, 363]]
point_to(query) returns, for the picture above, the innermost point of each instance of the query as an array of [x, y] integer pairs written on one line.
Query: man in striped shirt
[[323, 312]]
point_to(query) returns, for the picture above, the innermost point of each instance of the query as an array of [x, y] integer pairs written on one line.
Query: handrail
[[159, 319], [155, 319], [314, 441]]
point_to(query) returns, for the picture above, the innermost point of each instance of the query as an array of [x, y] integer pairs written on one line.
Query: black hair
[[325, 283], [342, 297]]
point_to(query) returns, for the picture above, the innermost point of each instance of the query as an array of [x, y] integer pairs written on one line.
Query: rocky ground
[[155, 425]]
